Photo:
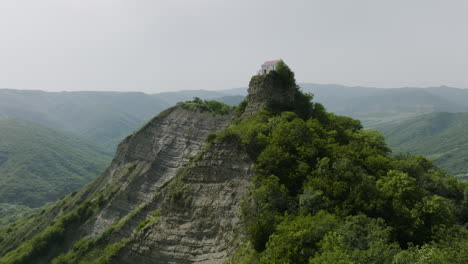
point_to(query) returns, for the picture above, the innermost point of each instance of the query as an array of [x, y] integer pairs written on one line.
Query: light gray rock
[[202, 225], [265, 90], [150, 158]]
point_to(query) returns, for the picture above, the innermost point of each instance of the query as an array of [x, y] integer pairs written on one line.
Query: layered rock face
[[196, 190], [265, 90], [151, 157], [199, 215], [201, 224], [171, 197], [198, 210]]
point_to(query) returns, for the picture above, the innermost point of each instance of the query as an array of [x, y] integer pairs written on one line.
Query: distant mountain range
[[107, 117], [103, 117], [376, 106]]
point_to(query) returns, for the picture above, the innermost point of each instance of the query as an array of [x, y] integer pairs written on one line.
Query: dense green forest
[[327, 191], [442, 137], [39, 164]]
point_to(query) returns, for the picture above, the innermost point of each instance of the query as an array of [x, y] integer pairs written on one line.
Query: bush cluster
[[51, 239], [210, 106]]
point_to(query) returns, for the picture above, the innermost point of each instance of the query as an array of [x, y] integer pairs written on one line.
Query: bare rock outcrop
[[150, 158], [267, 89], [200, 223]]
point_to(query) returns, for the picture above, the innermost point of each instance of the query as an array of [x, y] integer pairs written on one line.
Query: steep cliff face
[[150, 158], [195, 191], [268, 89], [198, 214], [167, 197], [144, 163]]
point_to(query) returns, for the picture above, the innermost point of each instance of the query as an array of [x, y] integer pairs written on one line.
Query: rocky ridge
[[168, 195]]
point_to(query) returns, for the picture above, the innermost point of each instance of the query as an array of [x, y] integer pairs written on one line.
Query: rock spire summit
[[275, 88]]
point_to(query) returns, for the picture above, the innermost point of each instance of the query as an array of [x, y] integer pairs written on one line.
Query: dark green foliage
[[285, 73], [12, 212], [142, 224], [302, 106], [269, 201], [296, 237], [327, 191], [210, 106], [176, 187], [51, 239], [98, 250], [103, 248], [153, 217], [450, 249], [241, 107]]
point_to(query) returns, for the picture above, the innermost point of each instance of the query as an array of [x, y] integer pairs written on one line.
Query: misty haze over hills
[[105, 118]]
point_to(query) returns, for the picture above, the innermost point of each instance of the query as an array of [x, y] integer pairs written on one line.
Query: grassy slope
[[440, 136], [39, 164]]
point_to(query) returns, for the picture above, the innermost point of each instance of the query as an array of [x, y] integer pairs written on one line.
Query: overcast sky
[[164, 45]]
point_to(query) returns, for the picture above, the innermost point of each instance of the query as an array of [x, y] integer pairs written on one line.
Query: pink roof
[[273, 62]]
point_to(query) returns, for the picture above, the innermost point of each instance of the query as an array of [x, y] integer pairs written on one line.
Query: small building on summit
[[268, 66]]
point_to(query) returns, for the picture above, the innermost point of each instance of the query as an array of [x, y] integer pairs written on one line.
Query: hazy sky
[[163, 45]]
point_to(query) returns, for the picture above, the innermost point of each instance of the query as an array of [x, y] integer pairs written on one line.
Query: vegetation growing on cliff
[[327, 191], [51, 239], [210, 106]]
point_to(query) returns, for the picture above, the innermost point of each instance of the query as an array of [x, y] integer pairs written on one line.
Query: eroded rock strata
[[167, 197]]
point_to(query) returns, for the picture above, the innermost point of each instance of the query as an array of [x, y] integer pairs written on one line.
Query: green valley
[[442, 137], [39, 164]]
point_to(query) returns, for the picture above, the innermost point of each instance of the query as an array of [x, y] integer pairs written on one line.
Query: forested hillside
[[102, 117], [442, 137], [39, 164]]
